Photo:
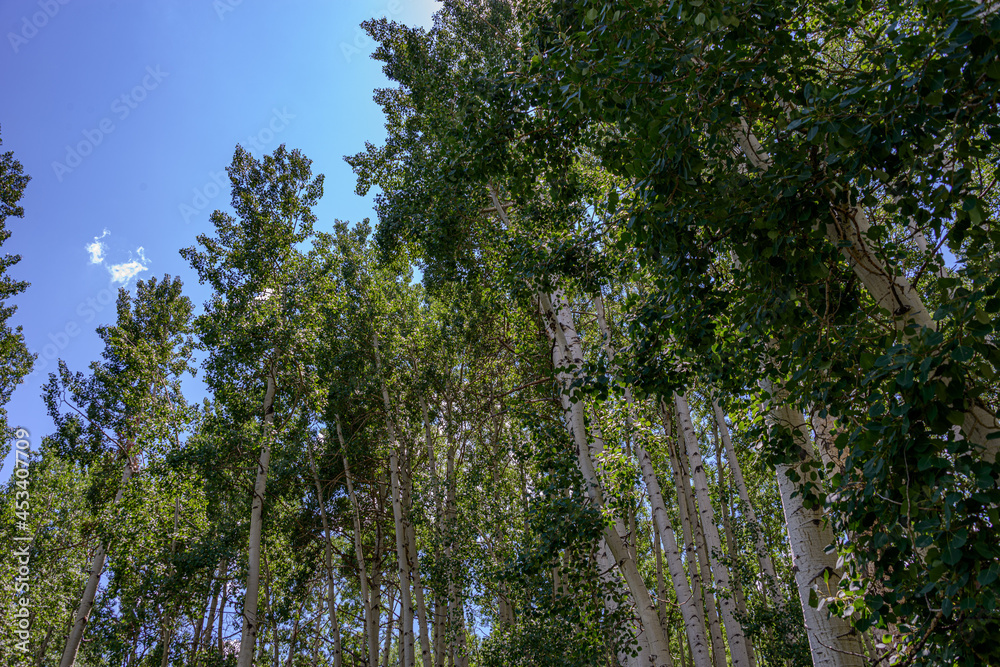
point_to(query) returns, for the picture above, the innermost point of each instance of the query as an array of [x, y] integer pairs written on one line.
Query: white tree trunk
[[413, 562], [371, 617], [891, 292], [566, 339], [90, 590], [690, 612], [763, 554], [739, 656], [832, 641], [251, 624], [405, 597], [331, 589]]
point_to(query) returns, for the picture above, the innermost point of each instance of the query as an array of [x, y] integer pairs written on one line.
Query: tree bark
[[832, 641], [734, 629], [405, 599], [763, 554], [413, 562], [371, 620], [251, 624], [564, 332], [849, 229], [697, 560], [90, 591], [663, 531], [331, 590]]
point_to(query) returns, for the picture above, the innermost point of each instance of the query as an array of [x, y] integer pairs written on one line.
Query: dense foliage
[[701, 367]]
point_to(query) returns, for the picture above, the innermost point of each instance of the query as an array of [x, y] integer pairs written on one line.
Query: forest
[[673, 344]]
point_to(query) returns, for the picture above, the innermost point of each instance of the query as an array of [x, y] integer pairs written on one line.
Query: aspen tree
[[259, 324], [734, 629]]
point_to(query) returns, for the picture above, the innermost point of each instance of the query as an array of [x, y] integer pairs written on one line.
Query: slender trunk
[[691, 613], [371, 620], [685, 506], [564, 332], [694, 543], [251, 623], [331, 589], [405, 600], [734, 629], [832, 641], [90, 591], [663, 531], [661, 586], [40, 654], [413, 561], [731, 550], [388, 629], [763, 553], [440, 605], [222, 608], [206, 640], [456, 612], [704, 566], [167, 631]]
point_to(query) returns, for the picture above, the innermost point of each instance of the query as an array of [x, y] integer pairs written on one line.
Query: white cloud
[[122, 273], [96, 249]]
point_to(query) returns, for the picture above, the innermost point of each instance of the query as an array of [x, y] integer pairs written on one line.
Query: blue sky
[[125, 114]]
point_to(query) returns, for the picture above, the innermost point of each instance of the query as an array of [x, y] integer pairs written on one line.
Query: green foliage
[[15, 360]]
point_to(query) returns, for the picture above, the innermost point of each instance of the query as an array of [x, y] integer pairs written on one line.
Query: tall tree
[[258, 325], [15, 360]]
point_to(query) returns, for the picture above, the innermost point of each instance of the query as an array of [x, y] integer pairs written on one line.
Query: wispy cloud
[[122, 273], [96, 249]]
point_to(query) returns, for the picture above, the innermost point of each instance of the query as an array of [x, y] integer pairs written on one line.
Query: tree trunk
[[371, 620], [663, 531], [440, 604], [413, 562], [731, 550], [832, 641], [734, 630], [222, 608], [697, 561], [405, 599], [331, 590], [90, 591], [699, 564], [849, 229], [388, 629], [251, 623], [763, 554], [564, 332]]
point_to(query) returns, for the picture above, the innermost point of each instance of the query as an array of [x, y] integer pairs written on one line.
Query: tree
[[258, 325], [16, 360]]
